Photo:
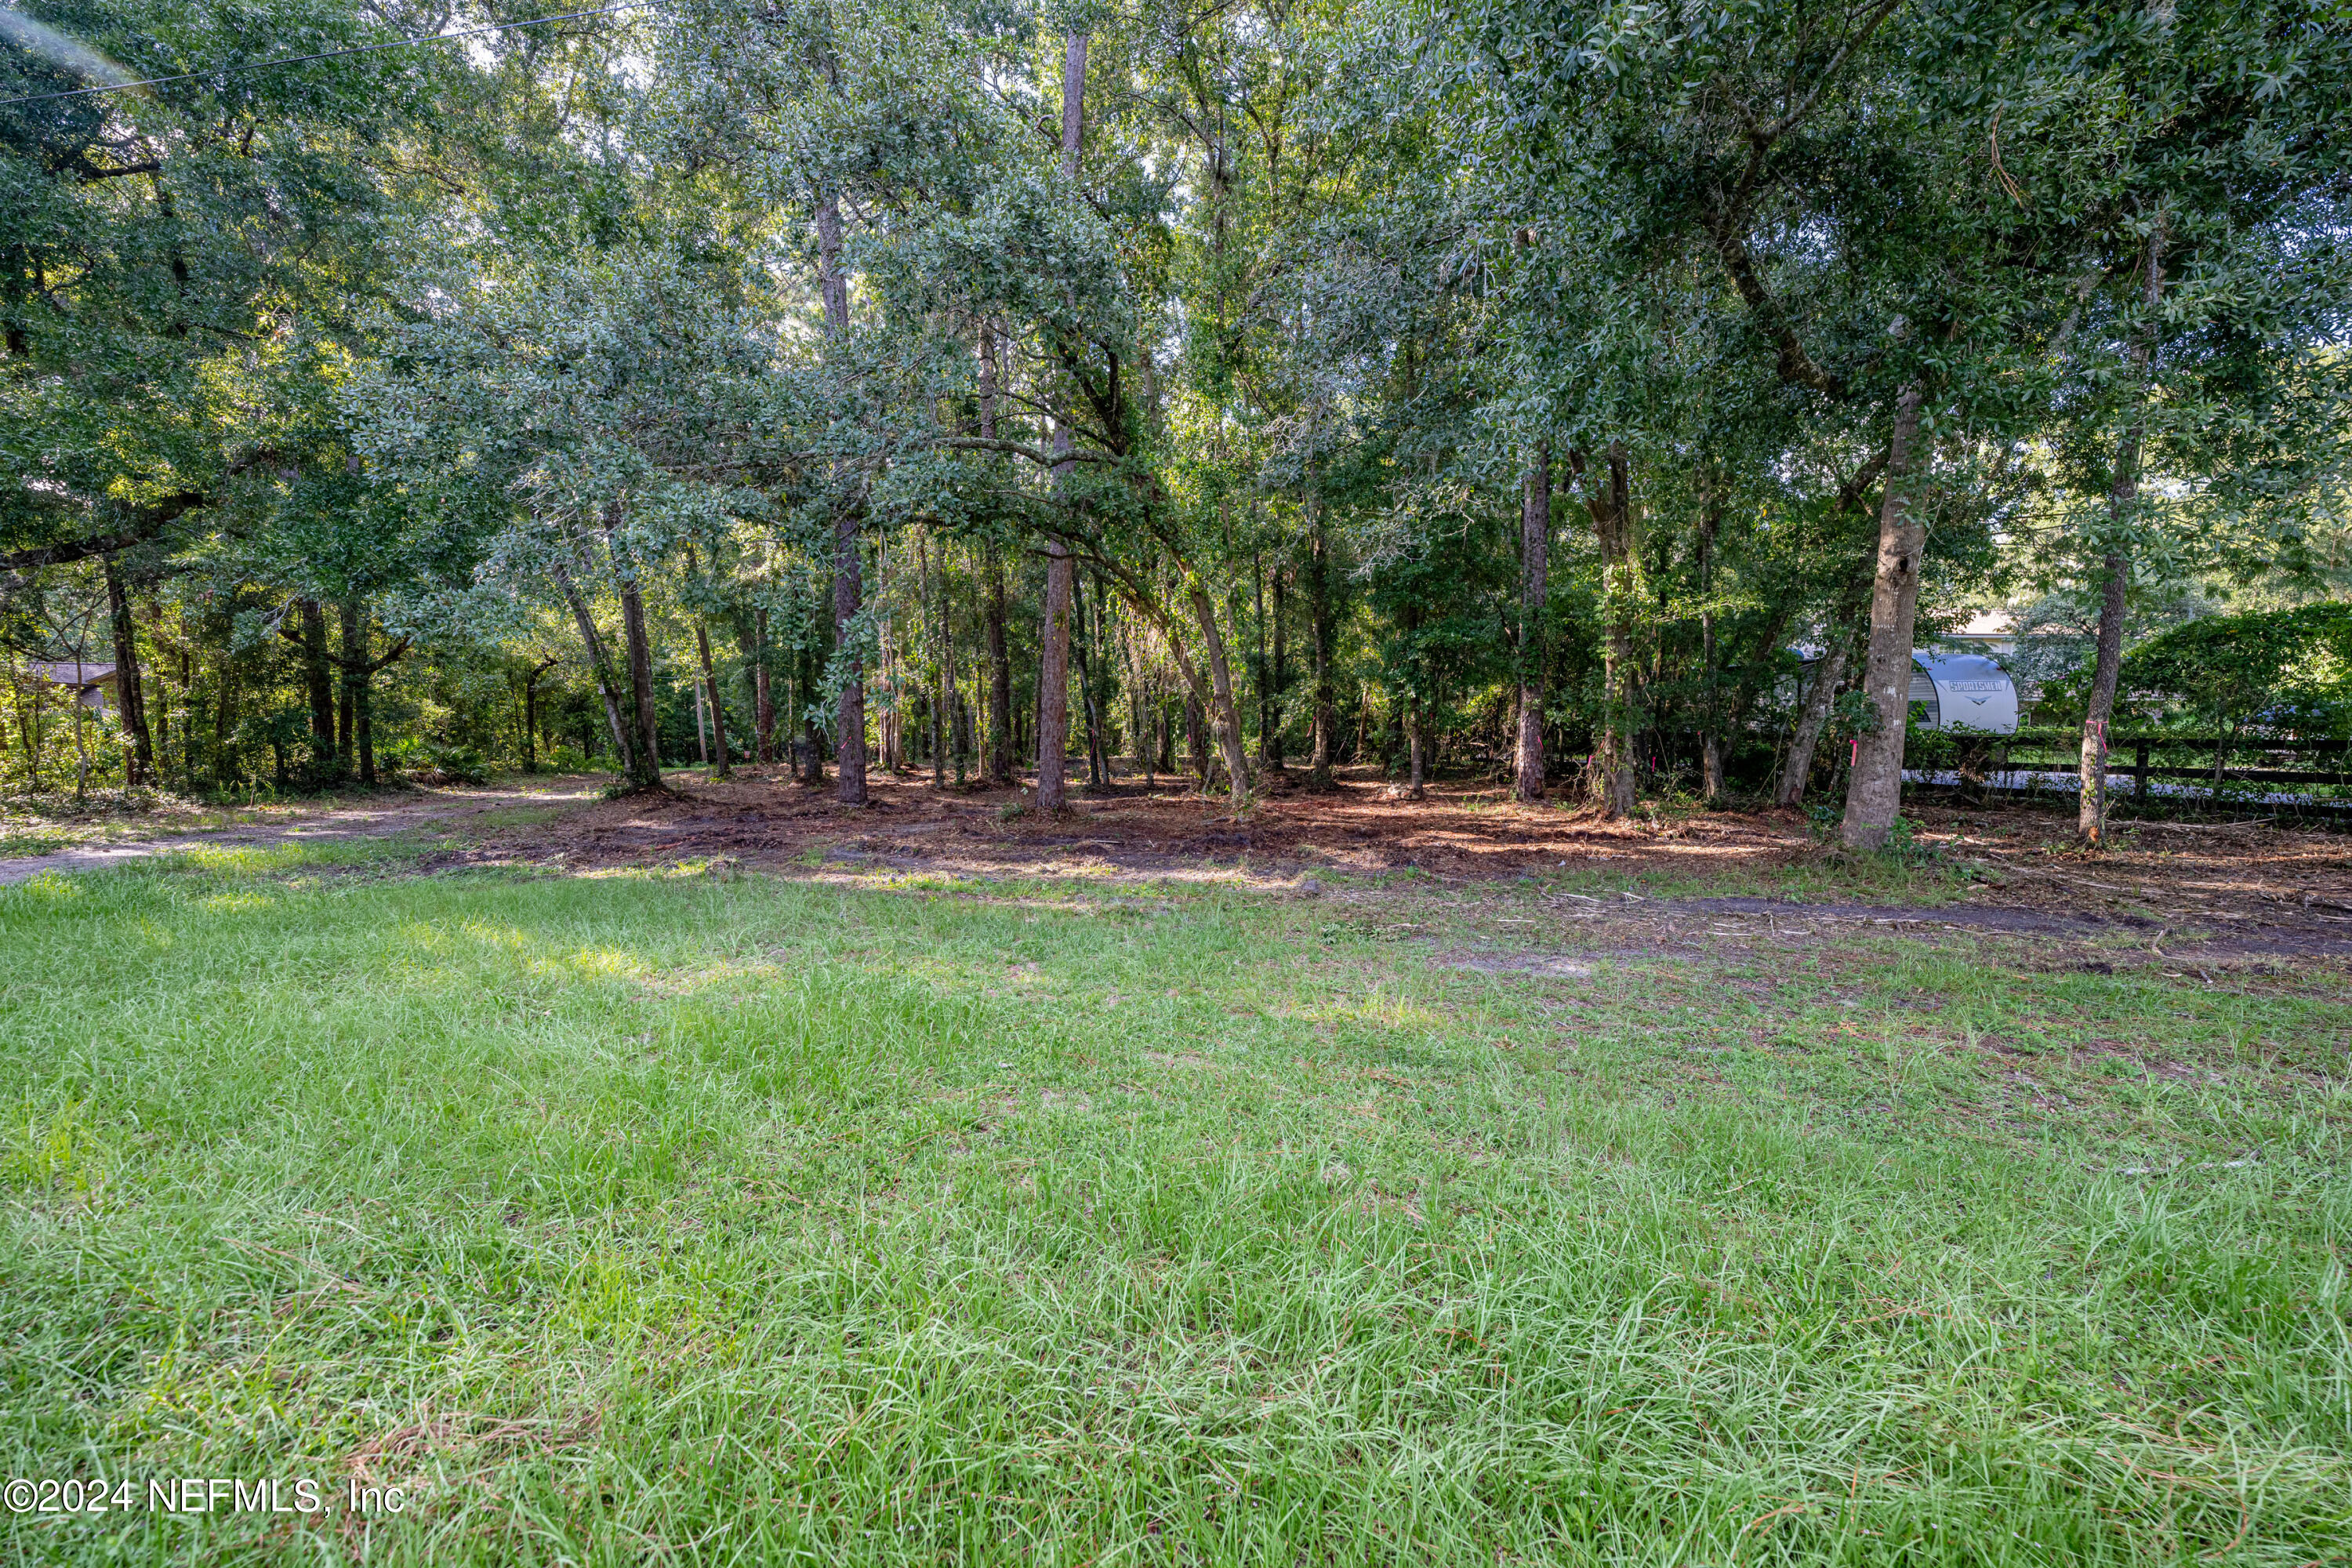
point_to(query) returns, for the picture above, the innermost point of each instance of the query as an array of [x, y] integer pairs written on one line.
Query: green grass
[[662, 1217]]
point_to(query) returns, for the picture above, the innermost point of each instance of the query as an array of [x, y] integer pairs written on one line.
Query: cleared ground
[[1374, 1188]]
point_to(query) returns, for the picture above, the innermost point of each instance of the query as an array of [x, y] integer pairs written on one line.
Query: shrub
[[459, 764]]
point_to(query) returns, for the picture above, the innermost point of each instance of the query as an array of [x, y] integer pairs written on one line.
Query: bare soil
[[2222, 894], [385, 814], [2252, 890]]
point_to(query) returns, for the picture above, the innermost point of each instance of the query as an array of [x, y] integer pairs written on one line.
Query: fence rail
[[2046, 760]]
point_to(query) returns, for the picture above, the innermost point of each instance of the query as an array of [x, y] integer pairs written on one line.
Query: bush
[[405, 755], [565, 760], [2279, 671], [459, 764]]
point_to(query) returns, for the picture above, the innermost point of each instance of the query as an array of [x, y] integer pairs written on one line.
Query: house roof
[[67, 672], [1989, 623]]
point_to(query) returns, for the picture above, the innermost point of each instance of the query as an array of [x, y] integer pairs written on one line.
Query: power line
[[331, 54]]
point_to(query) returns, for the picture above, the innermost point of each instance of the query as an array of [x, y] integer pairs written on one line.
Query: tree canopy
[[1523, 388]]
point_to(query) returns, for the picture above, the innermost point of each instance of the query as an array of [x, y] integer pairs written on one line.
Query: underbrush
[[669, 1216]]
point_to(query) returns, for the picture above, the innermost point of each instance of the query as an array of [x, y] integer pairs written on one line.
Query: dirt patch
[[2174, 893], [2247, 891], [1535, 966], [2035, 922], [1458, 833], [2161, 940], [764, 816], [377, 816]]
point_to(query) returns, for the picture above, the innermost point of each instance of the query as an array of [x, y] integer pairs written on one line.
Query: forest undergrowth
[[681, 1212]]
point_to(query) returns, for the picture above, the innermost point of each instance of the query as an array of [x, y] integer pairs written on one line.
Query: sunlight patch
[[512, 936]]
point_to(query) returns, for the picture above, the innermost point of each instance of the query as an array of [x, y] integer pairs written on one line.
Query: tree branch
[[1791, 121], [148, 522], [1036, 455], [90, 173], [1795, 366], [1849, 494]]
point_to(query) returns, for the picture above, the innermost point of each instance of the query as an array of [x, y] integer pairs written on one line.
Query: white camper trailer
[[1964, 691], [1957, 691]]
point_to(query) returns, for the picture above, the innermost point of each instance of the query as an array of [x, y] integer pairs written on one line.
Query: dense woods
[[1076, 394]]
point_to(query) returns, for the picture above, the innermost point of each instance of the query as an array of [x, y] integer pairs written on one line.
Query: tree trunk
[[1094, 684], [131, 698], [890, 722], [1319, 615], [832, 283], [1535, 560], [318, 681], [1874, 792], [1000, 676], [849, 727], [363, 710], [811, 742], [163, 711], [1142, 710], [1612, 517], [752, 642], [1054, 662], [1845, 612], [1269, 748], [764, 687], [224, 722], [1829, 673], [943, 695], [710, 690], [1272, 746], [998, 762], [1710, 744], [81, 737], [1416, 779], [1103, 678], [1228, 719], [188, 714], [1074, 91], [1054, 668], [600, 669], [641, 687], [347, 689], [1415, 716], [849, 581], [2122, 497], [940, 716], [352, 666], [1082, 664]]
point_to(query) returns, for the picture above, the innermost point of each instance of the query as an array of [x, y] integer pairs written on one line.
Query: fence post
[[2139, 770]]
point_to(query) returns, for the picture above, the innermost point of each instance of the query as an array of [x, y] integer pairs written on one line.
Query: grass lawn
[[664, 1217]]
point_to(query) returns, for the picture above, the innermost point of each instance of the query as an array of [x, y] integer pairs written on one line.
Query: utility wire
[[331, 54]]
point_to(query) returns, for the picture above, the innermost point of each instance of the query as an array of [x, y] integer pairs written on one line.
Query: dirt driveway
[[383, 816]]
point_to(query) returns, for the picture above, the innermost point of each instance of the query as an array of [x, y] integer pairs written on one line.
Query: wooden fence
[[2218, 761]]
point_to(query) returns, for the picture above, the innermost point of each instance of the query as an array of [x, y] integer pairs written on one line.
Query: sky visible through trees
[[1074, 392]]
